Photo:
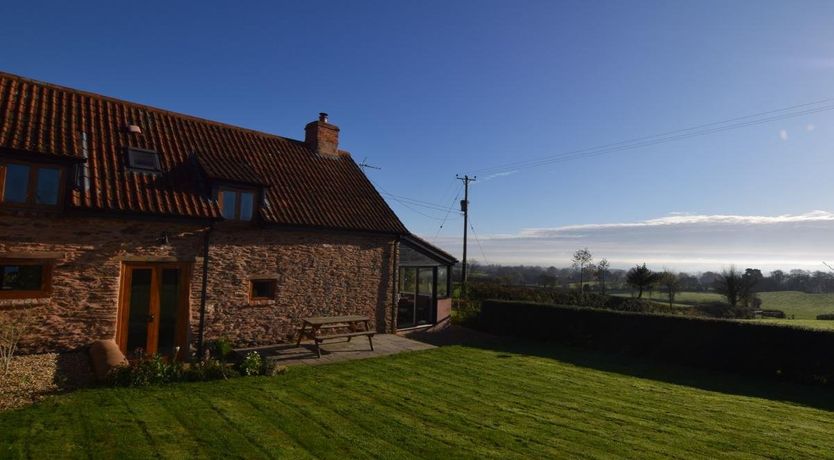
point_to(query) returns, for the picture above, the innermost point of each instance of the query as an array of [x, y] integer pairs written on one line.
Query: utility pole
[[464, 207]]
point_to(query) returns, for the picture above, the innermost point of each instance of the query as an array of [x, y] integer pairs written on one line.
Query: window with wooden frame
[[236, 204], [25, 278], [262, 289], [28, 184]]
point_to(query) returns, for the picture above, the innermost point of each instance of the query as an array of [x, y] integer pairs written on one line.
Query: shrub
[[722, 310], [641, 305], [209, 369], [466, 312], [220, 348], [826, 316], [773, 350], [146, 370], [252, 364], [773, 314], [13, 324]]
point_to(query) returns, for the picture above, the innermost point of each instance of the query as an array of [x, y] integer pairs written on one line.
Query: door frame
[[433, 303], [183, 308]]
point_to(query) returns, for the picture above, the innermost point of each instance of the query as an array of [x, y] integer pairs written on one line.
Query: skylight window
[[143, 160]]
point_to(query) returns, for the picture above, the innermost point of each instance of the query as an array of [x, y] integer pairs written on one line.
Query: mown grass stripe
[[480, 408], [398, 422], [474, 418], [315, 435], [510, 401], [729, 445]]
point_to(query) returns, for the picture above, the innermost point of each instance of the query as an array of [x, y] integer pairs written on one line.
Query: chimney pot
[[323, 117]]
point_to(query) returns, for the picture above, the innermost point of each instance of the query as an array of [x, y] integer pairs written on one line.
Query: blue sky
[[426, 90]]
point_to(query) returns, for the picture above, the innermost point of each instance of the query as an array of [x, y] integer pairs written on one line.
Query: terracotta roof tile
[[301, 187]]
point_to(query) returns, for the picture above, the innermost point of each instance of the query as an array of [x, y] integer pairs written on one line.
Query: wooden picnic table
[[356, 324]]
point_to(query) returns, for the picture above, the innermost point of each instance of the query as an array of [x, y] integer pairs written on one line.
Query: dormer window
[[29, 184], [236, 204], [143, 160]]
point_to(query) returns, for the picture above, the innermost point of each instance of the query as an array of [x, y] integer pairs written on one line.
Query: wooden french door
[[153, 309]]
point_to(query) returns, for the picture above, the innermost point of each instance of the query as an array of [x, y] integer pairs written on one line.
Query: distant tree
[[581, 258], [547, 280], [749, 280], [641, 278], [688, 282], [777, 278], [602, 268], [730, 284], [708, 279], [671, 284]]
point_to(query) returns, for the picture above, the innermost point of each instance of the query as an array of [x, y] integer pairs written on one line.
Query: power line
[[669, 136], [447, 213], [405, 204], [416, 202], [478, 240]]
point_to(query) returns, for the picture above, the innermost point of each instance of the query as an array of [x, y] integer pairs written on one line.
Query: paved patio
[[338, 350]]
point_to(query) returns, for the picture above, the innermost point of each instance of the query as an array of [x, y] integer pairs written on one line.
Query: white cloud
[[493, 176], [810, 127], [783, 134], [681, 219], [679, 241]]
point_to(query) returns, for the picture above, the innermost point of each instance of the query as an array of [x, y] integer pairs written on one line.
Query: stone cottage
[[160, 230]]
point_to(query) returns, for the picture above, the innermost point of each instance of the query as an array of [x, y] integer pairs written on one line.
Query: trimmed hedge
[[826, 316], [773, 314], [798, 354]]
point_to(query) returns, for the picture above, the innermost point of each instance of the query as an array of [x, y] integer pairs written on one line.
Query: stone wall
[[317, 273], [88, 256]]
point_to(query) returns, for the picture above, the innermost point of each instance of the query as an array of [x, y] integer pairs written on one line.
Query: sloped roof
[[429, 249], [301, 187]]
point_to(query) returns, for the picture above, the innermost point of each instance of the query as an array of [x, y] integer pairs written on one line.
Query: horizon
[[591, 125]]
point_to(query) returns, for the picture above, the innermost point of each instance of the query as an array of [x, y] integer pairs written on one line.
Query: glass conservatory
[[425, 285]]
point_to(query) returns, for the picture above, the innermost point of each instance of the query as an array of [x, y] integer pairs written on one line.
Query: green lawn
[[522, 401], [800, 304]]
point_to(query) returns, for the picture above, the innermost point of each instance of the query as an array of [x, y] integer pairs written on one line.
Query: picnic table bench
[[357, 326]]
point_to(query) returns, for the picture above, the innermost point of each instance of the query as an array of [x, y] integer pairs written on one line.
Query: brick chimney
[[322, 137]]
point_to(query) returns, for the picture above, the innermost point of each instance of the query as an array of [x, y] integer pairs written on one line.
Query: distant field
[[682, 299], [799, 304]]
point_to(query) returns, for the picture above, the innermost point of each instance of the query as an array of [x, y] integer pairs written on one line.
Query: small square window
[[145, 160], [25, 278], [262, 289]]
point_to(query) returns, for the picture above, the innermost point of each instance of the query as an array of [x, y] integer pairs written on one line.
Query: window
[[143, 160], [23, 278], [29, 184], [236, 204], [442, 282], [262, 289]]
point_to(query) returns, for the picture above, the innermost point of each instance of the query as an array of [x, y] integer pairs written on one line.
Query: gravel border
[[33, 377]]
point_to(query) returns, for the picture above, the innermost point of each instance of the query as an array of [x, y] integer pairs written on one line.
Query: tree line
[[601, 277]]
